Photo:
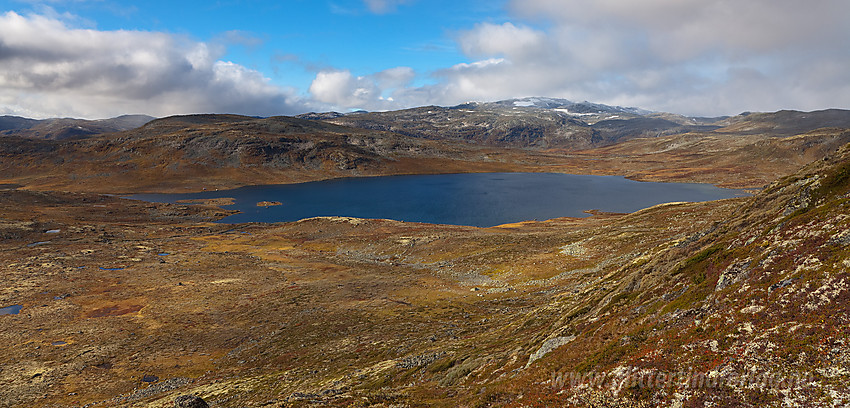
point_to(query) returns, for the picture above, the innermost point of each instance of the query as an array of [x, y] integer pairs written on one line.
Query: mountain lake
[[474, 199]]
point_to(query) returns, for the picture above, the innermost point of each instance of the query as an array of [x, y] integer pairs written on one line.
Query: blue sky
[[99, 58], [288, 40]]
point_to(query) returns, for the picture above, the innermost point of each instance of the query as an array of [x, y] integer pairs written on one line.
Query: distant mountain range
[[538, 123], [563, 105], [546, 123], [68, 128]]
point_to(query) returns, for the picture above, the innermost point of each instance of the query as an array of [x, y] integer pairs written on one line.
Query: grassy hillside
[[739, 302]]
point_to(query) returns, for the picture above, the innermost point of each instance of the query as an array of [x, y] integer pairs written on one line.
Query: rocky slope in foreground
[[750, 310], [740, 302]]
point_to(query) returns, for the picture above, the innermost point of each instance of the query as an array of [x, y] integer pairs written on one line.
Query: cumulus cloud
[[49, 69], [690, 56], [515, 42], [340, 88], [700, 57], [395, 77]]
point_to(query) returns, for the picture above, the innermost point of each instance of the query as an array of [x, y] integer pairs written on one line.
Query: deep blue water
[[483, 199]]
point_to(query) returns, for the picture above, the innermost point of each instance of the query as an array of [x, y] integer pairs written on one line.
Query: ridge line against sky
[[103, 58]]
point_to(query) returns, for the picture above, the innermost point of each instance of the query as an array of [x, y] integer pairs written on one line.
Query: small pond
[[11, 310]]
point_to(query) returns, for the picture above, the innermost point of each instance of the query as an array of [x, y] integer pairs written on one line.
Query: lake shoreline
[[469, 199]]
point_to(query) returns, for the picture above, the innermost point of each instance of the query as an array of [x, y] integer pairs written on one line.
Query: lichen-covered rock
[[548, 346], [190, 401], [734, 273]]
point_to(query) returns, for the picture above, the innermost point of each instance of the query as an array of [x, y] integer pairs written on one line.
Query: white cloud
[[686, 27], [515, 42], [395, 77], [701, 57], [343, 90], [698, 56], [50, 69], [340, 88]]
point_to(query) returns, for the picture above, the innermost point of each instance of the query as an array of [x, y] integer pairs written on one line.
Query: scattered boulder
[[190, 401], [781, 284], [734, 273], [420, 360], [149, 378]]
